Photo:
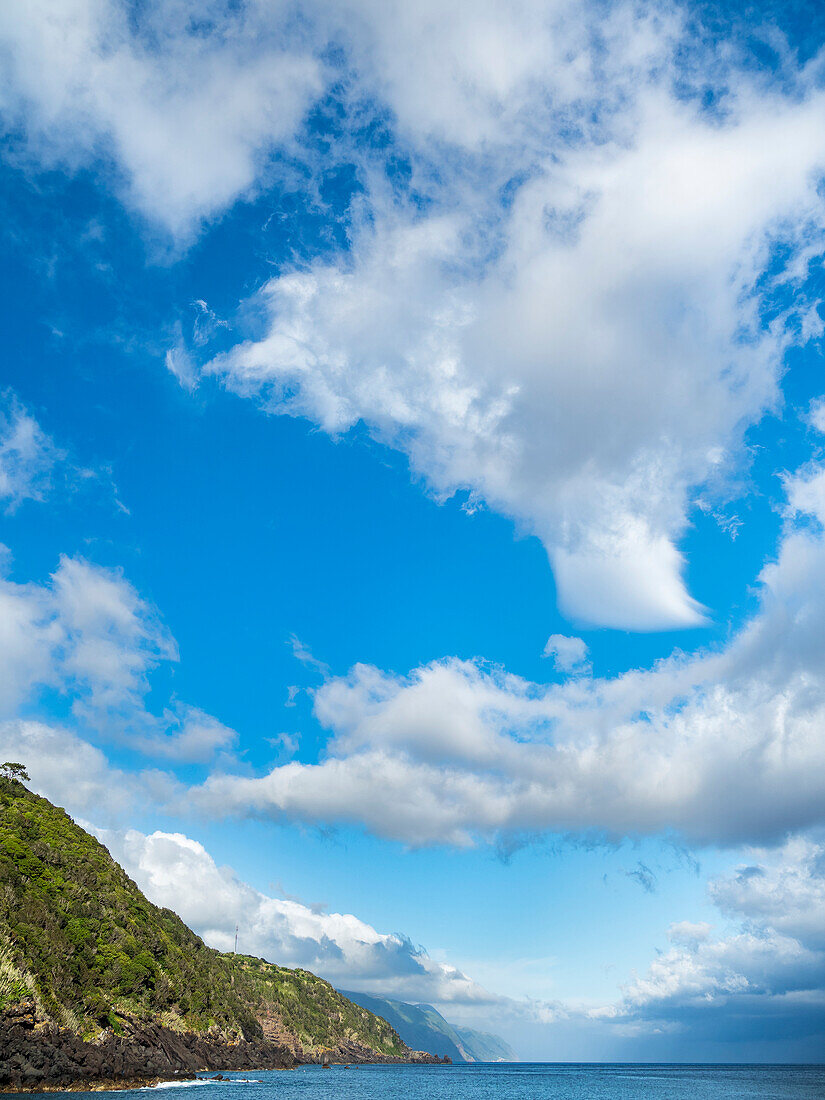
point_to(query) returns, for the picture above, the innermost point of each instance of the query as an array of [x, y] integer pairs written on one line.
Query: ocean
[[510, 1081]]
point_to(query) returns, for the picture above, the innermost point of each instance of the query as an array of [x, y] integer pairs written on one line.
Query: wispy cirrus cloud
[[27, 454]]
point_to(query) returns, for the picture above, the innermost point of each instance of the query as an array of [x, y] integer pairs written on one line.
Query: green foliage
[[14, 771], [78, 937], [90, 940], [309, 1007]]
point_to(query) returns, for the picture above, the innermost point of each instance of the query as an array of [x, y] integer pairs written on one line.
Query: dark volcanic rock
[[41, 1057]]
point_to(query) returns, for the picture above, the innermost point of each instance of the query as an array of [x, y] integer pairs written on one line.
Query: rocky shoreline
[[42, 1057]]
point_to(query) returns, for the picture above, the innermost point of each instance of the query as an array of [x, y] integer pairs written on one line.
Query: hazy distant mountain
[[422, 1027]]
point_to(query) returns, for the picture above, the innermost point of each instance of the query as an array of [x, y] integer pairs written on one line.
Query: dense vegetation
[[79, 938], [310, 1008]]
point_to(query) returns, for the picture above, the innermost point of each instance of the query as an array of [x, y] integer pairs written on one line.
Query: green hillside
[[423, 1027], [79, 939]]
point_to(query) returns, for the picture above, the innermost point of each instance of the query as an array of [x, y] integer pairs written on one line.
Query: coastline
[[43, 1057]]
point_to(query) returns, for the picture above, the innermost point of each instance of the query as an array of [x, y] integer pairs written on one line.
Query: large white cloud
[[583, 355], [721, 747], [186, 101]]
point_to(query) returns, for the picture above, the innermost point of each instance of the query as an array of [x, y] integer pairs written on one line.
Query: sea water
[[507, 1081]]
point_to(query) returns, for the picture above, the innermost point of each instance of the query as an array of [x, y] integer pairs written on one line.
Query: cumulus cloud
[[184, 101], [74, 774], [719, 747], [764, 980], [177, 872], [110, 638], [188, 734], [29, 637], [90, 635], [567, 653], [784, 889], [750, 990], [585, 354]]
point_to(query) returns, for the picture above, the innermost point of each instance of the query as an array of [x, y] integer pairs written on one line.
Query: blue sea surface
[[506, 1081]]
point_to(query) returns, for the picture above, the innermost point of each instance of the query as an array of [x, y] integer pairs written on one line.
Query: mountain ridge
[[422, 1023]]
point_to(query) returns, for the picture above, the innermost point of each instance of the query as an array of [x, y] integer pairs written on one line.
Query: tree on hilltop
[[14, 771]]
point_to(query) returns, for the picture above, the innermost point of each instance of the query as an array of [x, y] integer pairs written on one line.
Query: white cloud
[[177, 872], [27, 455], [767, 975], [29, 636], [688, 932], [191, 735], [721, 747], [784, 889], [567, 653], [186, 101], [179, 363], [473, 80], [581, 358], [111, 637], [559, 313], [816, 415], [76, 775], [749, 992], [89, 634]]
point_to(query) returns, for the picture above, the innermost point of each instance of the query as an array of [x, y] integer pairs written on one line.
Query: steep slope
[[483, 1046], [307, 1014], [86, 958], [422, 1026]]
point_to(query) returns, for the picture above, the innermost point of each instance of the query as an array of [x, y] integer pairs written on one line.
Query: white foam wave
[[177, 1084]]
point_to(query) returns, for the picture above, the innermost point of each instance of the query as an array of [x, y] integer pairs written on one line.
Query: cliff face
[[96, 981], [38, 1055]]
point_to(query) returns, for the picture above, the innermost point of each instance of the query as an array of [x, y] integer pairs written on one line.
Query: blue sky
[[411, 458]]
